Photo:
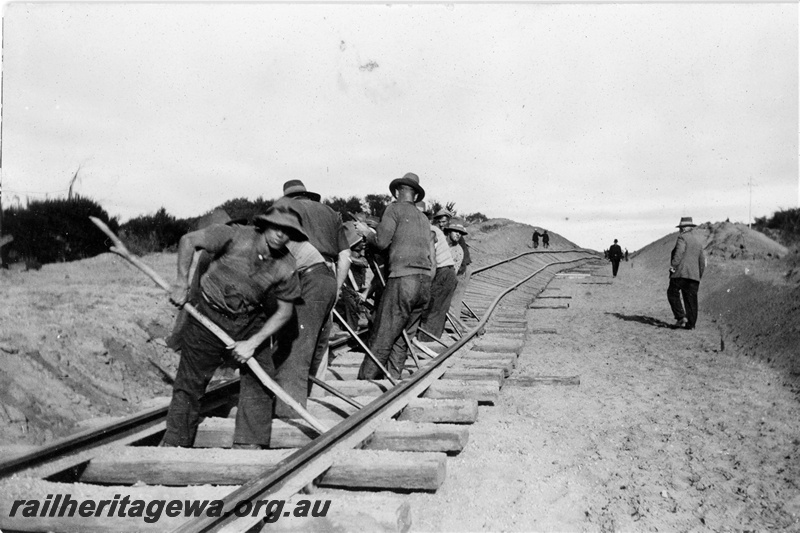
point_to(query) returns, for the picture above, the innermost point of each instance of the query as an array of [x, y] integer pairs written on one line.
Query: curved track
[[494, 315]]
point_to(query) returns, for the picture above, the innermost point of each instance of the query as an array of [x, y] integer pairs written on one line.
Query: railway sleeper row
[[407, 453]]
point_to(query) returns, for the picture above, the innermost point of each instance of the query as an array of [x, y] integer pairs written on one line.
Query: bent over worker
[[250, 266], [322, 265]]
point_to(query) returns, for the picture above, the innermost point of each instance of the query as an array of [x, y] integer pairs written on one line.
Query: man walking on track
[[615, 256], [406, 232], [686, 268], [250, 268], [322, 265]]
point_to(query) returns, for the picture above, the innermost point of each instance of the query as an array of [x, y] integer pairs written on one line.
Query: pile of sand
[[722, 240], [500, 238]]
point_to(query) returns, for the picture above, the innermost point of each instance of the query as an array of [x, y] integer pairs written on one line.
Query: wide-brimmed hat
[[456, 227], [296, 188], [285, 218], [410, 179], [686, 222], [443, 213]]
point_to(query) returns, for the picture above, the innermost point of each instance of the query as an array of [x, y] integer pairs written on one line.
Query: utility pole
[[750, 208], [3, 41]]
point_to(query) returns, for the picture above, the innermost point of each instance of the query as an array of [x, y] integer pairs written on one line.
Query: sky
[[594, 121]]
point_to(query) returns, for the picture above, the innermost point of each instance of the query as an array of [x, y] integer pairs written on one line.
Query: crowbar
[[363, 345], [267, 381]]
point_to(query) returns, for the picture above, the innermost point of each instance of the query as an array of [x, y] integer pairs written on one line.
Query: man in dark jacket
[[686, 268], [406, 232], [322, 266], [615, 256]]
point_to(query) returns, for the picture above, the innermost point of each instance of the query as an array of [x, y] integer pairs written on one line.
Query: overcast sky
[[593, 121]]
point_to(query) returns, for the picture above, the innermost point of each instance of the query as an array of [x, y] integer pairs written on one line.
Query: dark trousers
[[614, 267], [350, 307], [201, 354], [401, 306], [433, 318], [462, 282], [688, 288], [303, 340]]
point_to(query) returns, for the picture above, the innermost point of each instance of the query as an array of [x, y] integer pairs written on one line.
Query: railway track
[[382, 437]]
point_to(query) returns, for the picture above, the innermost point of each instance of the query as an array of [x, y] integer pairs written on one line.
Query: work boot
[[682, 323]]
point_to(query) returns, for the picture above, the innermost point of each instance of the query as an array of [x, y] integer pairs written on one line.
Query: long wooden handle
[[252, 364]]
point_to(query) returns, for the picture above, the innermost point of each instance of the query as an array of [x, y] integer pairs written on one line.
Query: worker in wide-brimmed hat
[[688, 262], [406, 233], [455, 233], [442, 218], [431, 326], [250, 267], [322, 265]]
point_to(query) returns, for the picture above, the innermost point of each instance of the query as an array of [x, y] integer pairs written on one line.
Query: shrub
[[47, 231], [153, 233], [476, 218], [376, 203], [783, 226], [345, 207], [244, 208]]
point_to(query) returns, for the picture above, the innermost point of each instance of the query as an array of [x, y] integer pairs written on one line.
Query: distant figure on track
[[686, 268], [536, 236], [626, 254], [545, 239], [251, 273], [406, 232], [615, 256]]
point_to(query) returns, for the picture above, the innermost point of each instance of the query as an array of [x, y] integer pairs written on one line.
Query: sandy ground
[[666, 432], [669, 430]]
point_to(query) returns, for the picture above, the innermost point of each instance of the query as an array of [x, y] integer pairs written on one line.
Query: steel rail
[[487, 267], [214, 397], [283, 472], [91, 438]]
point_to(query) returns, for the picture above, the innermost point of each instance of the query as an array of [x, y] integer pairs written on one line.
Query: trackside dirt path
[[666, 432]]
